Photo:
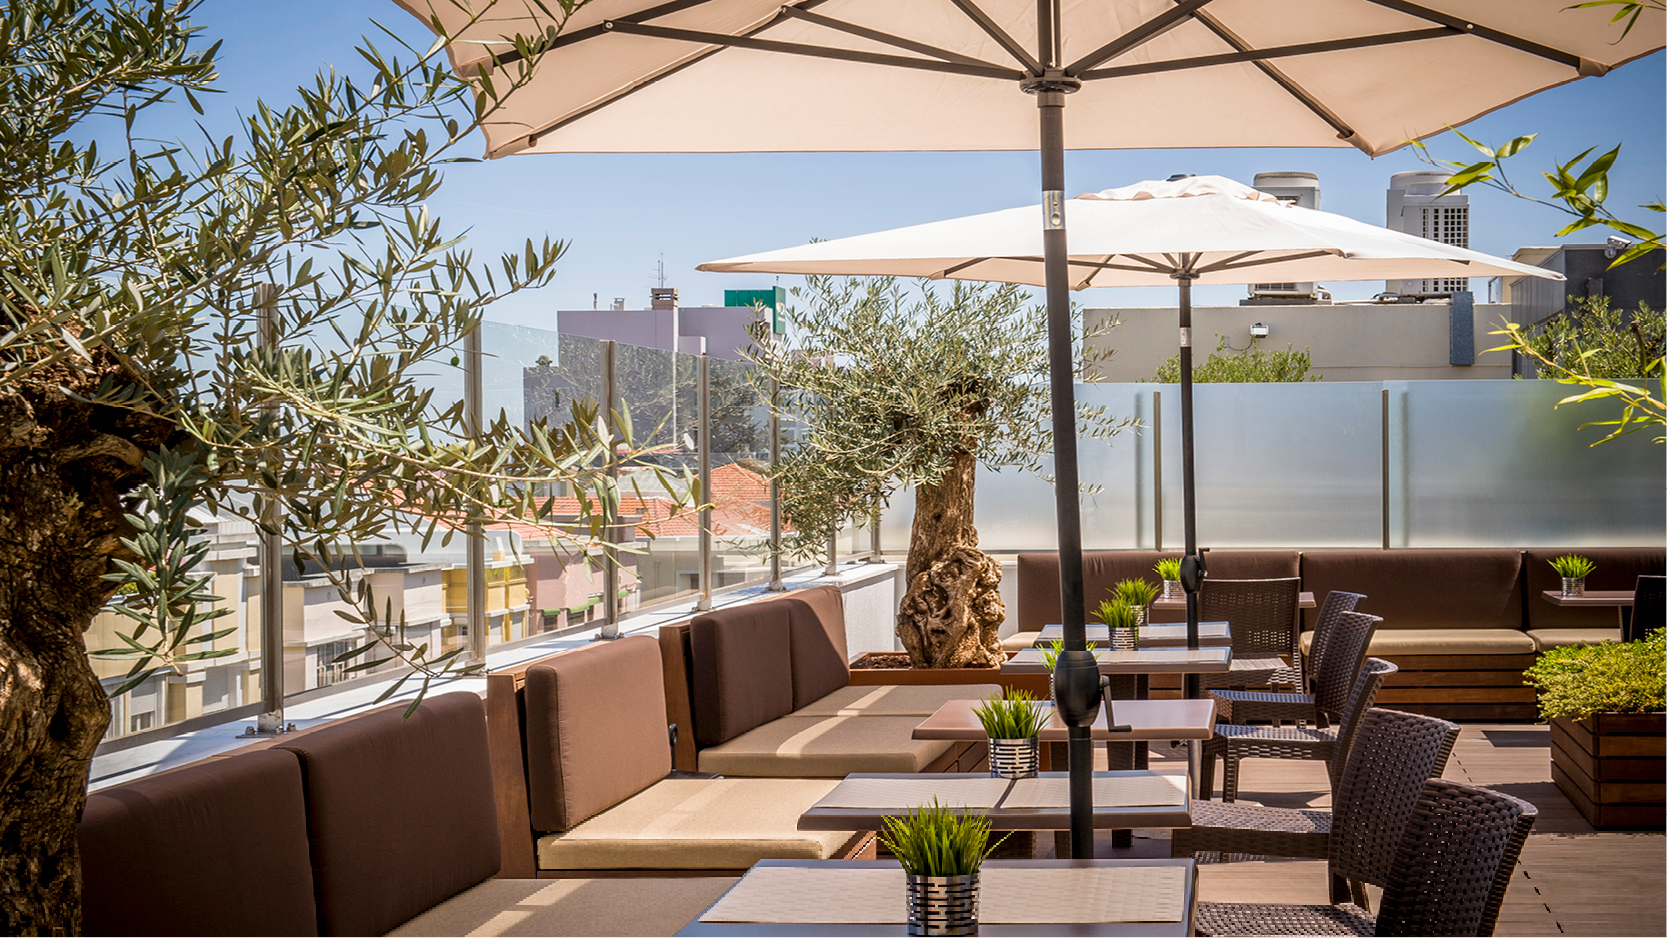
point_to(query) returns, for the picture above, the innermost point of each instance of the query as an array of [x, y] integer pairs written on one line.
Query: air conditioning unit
[[1301, 189], [1415, 205]]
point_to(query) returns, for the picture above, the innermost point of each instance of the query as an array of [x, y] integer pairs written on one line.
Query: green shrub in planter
[[1138, 593], [1573, 566], [1168, 569], [1016, 714], [933, 840], [1578, 681]]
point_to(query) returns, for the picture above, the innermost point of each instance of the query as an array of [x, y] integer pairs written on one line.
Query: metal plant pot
[[1574, 586], [943, 905], [1125, 639], [1143, 616], [1014, 758], [1172, 590]]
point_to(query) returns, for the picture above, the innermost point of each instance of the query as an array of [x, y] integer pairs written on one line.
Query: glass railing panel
[[1497, 463]]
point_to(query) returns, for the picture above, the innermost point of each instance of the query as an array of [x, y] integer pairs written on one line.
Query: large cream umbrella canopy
[[658, 76], [1185, 230]]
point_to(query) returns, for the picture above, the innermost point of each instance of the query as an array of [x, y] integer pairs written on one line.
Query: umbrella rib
[[994, 31], [1276, 52], [977, 260], [1344, 130], [1218, 265], [884, 37], [1263, 262], [591, 32], [821, 52], [1482, 32], [1140, 35]]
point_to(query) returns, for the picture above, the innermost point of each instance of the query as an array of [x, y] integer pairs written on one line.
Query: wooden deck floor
[[1571, 880]]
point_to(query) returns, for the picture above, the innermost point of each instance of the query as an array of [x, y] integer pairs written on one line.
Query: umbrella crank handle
[[1111, 722]]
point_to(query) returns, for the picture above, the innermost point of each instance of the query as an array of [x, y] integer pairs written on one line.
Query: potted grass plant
[[941, 851], [1013, 722], [1574, 569], [1170, 571], [1139, 594], [1124, 622], [1605, 703]]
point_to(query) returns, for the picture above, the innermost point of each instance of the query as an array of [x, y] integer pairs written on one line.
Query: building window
[[329, 669]]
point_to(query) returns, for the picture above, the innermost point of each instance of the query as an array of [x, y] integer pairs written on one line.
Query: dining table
[[1620, 599], [1151, 635], [814, 898]]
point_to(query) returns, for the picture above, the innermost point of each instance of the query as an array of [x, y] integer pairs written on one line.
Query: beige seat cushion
[[1391, 643], [571, 907], [894, 700], [698, 824], [1019, 641], [1557, 638], [825, 747]]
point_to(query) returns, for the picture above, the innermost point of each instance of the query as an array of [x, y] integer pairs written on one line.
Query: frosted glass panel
[[1494, 463], [1278, 465]]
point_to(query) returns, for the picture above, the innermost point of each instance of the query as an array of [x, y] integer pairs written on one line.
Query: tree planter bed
[[861, 674], [1613, 767]]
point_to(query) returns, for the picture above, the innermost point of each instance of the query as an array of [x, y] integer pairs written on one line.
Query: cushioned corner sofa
[[763, 689], [1461, 624]]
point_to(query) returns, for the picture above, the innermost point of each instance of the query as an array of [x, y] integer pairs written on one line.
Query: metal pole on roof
[[1077, 692], [610, 557], [775, 489], [271, 720], [703, 400], [475, 556]]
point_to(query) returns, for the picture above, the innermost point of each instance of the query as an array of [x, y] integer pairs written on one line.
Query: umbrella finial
[[1178, 177]]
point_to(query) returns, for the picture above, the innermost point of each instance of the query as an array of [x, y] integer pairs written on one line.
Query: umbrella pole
[[1076, 674], [1192, 562]]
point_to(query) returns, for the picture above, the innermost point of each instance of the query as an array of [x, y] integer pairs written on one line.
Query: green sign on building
[[773, 299]]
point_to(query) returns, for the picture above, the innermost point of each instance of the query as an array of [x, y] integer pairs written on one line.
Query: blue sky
[[624, 214]]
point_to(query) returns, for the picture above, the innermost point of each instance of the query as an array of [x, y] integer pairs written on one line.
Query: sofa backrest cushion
[[741, 659], [1038, 575], [821, 664], [1422, 588], [218, 847], [595, 731], [1618, 568], [400, 812]]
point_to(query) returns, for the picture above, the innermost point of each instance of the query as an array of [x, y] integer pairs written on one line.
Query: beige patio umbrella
[[850, 75]]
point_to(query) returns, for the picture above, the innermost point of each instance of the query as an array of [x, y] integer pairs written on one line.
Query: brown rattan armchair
[[1392, 756], [1346, 635], [1232, 742], [1263, 617], [1448, 875]]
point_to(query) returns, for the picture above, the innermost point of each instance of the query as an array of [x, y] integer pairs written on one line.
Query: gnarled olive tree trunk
[[953, 609], [63, 468]]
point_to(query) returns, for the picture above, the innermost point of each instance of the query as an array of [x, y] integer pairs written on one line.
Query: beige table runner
[[827, 895], [913, 792], [1135, 791]]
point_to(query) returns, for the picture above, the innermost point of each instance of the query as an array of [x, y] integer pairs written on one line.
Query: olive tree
[[135, 383], [898, 388]]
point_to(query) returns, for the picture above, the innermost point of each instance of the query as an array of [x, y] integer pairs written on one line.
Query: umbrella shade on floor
[[684, 76]]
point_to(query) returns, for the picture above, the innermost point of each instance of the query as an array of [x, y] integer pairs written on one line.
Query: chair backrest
[[1361, 698], [1263, 613], [595, 730], [1393, 755], [1454, 862], [1336, 603], [1649, 607], [1345, 650]]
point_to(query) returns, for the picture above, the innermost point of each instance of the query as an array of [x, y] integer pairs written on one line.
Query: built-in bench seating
[[364, 826], [1460, 624], [582, 755], [763, 689]]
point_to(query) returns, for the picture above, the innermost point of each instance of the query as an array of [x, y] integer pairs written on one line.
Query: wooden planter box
[[1613, 766], [867, 677]]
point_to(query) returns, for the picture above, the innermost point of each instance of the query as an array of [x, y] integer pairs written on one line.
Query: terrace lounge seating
[[763, 690], [1618, 568], [589, 790], [316, 833]]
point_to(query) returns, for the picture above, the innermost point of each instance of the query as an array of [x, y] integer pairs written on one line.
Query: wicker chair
[[1263, 617], [1448, 875], [1649, 607], [1346, 639], [1232, 742], [1392, 756]]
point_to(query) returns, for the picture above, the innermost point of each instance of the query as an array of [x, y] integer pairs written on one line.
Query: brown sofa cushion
[[1618, 568], [1422, 588], [741, 659], [825, 747], [400, 812], [596, 730], [820, 661], [214, 848], [1038, 588]]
